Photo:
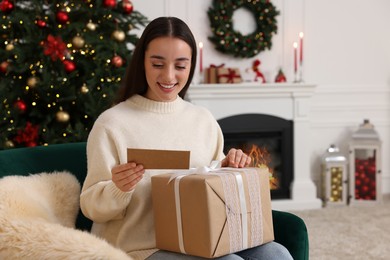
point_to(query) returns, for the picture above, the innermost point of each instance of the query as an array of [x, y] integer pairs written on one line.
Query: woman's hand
[[236, 158], [126, 176]]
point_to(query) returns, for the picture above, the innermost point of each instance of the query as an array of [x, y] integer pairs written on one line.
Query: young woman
[[152, 114]]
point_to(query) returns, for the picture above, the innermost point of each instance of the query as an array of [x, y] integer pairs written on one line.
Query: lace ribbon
[[235, 205]]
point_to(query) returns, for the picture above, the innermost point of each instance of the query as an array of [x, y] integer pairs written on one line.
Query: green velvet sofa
[[289, 229]]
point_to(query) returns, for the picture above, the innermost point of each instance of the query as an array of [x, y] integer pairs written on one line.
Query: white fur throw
[[53, 197], [37, 216]]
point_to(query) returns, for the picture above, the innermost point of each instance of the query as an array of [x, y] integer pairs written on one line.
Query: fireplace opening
[[269, 140]]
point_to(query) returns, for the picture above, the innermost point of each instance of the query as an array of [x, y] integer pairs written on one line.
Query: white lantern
[[365, 165], [334, 177]]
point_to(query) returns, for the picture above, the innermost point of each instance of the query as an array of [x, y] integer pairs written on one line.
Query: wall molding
[[326, 124], [351, 107], [352, 89], [339, 106]]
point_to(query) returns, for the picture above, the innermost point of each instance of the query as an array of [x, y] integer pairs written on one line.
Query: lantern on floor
[[365, 165], [334, 177]]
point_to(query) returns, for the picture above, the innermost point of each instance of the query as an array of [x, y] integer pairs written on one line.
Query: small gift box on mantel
[[211, 213], [229, 75], [210, 75]]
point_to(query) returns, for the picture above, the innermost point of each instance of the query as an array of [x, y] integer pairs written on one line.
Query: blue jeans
[[271, 250]]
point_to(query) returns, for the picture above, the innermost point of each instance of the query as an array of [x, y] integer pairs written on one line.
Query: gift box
[[229, 75], [210, 75], [214, 213]]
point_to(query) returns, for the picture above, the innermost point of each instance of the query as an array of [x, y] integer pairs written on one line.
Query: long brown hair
[[134, 81]]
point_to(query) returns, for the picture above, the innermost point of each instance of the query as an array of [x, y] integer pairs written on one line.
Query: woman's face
[[167, 68]]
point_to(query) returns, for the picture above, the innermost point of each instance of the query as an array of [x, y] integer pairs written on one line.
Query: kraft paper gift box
[[229, 75], [210, 75], [212, 214]]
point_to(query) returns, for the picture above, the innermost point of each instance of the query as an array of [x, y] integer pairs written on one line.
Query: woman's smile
[[167, 86]]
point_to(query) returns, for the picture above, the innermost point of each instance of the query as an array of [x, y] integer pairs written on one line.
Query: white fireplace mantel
[[285, 100]]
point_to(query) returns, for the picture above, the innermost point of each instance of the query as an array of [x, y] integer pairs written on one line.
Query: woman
[[150, 114]]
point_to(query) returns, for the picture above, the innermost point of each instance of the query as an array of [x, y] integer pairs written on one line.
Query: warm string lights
[[62, 66]]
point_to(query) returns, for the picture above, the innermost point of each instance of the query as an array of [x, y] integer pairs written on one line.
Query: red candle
[[295, 56], [301, 48], [201, 57]]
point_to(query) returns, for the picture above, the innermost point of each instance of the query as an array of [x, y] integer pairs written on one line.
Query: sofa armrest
[[70, 157], [290, 231], [58, 157]]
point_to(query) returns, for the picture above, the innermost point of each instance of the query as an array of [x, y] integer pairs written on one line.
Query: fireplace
[[273, 137], [289, 103]]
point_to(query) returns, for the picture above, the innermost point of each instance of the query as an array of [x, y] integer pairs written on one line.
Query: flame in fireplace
[[260, 158]]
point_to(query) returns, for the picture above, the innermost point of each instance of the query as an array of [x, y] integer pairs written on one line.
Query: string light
[[41, 84]]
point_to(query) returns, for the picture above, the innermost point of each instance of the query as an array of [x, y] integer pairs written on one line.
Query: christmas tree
[[61, 63]]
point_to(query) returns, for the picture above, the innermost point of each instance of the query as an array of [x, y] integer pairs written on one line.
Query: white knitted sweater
[[126, 219]]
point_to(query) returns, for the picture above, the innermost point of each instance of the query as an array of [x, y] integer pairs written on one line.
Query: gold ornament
[[78, 42], [32, 81], [62, 116], [84, 89], [118, 35], [9, 47], [91, 26], [9, 144]]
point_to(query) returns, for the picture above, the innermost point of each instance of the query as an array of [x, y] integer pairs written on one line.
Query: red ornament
[[27, 136], [41, 23], [358, 182], [371, 169], [365, 183], [4, 66], [109, 3], [280, 77], [62, 17], [127, 7], [69, 66], [55, 47], [117, 61], [6, 6], [20, 106]]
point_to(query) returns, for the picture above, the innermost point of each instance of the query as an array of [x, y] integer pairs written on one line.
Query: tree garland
[[228, 41]]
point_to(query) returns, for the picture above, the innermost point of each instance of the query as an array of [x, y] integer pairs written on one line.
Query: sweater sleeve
[[219, 155], [100, 199]]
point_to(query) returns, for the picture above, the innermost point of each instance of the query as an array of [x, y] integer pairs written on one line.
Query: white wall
[[348, 57], [346, 54]]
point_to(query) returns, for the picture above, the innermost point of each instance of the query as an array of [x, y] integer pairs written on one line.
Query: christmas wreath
[[229, 41]]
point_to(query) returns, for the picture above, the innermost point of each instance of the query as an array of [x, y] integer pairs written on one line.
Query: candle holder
[[201, 79], [296, 78], [300, 79], [298, 74]]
